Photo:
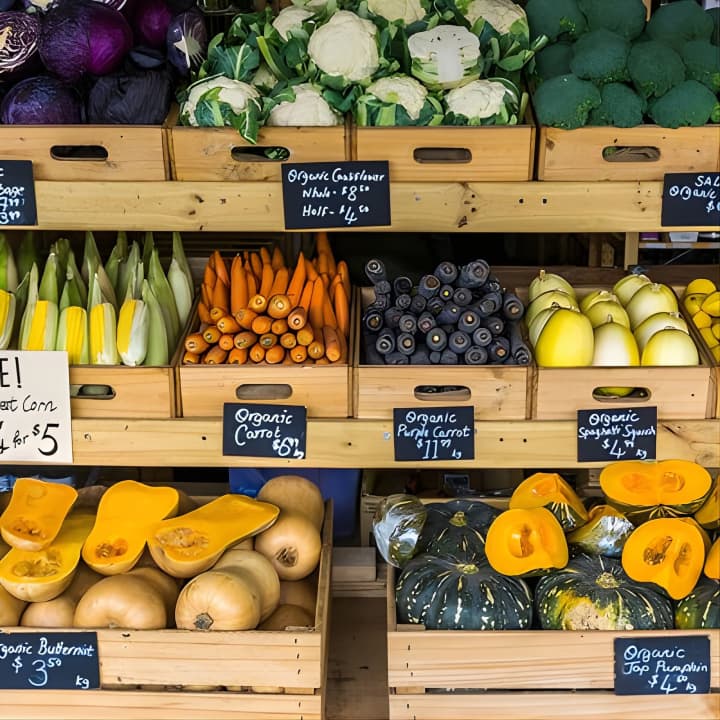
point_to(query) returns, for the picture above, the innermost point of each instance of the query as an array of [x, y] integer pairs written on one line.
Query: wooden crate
[[143, 673], [523, 675], [497, 392], [451, 153], [222, 154], [89, 152], [648, 152]]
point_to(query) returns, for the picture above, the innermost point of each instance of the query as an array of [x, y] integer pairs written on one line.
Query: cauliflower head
[[409, 11], [291, 18], [308, 108]]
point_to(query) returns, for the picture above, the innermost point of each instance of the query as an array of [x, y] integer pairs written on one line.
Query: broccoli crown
[[654, 68], [600, 55], [679, 22], [689, 103], [555, 18], [565, 101], [624, 17], [702, 63], [553, 60], [620, 106]]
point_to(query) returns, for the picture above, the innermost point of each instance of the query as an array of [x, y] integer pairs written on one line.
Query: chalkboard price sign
[[336, 195], [677, 665], [619, 434], [264, 430], [55, 661], [17, 193], [691, 199], [446, 433]]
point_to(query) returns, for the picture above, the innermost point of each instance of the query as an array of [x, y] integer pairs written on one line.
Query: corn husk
[[8, 269], [72, 334], [157, 347]]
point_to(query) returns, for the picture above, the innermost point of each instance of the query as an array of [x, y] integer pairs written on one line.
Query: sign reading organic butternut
[[35, 421]]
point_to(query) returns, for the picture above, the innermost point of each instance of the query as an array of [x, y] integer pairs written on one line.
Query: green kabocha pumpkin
[[449, 594], [708, 515], [604, 533], [593, 592], [397, 523], [457, 528], [700, 610]]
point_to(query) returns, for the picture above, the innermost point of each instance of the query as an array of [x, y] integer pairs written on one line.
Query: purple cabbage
[[150, 23], [19, 35], [82, 37], [41, 100], [187, 41]]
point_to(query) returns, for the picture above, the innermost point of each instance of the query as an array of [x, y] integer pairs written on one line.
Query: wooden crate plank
[[353, 565], [142, 705], [550, 706]]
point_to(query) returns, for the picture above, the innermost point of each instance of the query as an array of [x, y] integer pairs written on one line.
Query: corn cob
[[132, 332], [102, 326], [8, 305], [72, 334], [38, 328]]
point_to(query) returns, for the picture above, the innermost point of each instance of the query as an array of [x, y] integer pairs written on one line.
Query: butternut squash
[[35, 513], [300, 592], [167, 586], [125, 513], [11, 608], [189, 544], [292, 544], [286, 616], [40, 575], [295, 493]]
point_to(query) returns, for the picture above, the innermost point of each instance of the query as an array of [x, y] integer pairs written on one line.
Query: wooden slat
[[550, 706], [367, 443], [434, 207]]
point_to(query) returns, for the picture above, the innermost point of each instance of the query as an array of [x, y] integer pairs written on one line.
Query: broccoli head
[[555, 18], [565, 101], [621, 106], [624, 17], [654, 68], [702, 63], [553, 60], [678, 22], [689, 103], [601, 56]]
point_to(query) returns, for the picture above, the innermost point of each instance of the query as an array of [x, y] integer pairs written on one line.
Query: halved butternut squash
[[124, 514], [40, 575], [189, 544], [35, 513], [551, 491], [666, 551]]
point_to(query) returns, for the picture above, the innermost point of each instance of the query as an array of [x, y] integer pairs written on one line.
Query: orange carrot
[[275, 355], [244, 340], [215, 356], [211, 334], [206, 294], [316, 349], [299, 353], [297, 281], [227, 324], [310, 270], [221, 295], [342, 310], [209, 276], [196, 343], [305, 335], [280, 282], [203, 312], [316, 304], [322, 360], [287, 360], [277, 260], [238, 285], [288, 340], [344, 273], [257, 303], [266, 279], [237, 356], [326, 279], [328, 312], [322, 241], [337, 280], [261, 324], [251, 283], [343, 343], [279, 326], [332, 345], [297, 318], [245, 318], [226, 342], [221, 268], [278, 306], [256, 265], [216, 313], [268, 340], [190, 358], [265, 256], [322, 259], [306, 295], [257, 353]]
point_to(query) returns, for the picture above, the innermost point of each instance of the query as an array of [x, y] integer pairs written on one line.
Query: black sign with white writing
[[17, 193], [446, 433], [662, 665], [54, 660], [264, 430], [336, 195], [691, 199], [618, 434]]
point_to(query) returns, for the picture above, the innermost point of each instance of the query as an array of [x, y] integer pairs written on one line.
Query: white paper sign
[[35, 423]]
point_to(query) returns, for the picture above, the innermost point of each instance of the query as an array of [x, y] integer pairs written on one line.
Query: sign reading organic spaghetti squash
[[35, 421]]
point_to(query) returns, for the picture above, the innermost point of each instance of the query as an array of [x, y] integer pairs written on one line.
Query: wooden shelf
[[435, 207], [365, 444]]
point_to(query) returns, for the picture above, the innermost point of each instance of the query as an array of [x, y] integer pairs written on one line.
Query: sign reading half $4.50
[[35, 421]]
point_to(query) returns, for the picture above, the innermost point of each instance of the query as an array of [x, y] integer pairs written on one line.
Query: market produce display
[[414, 63], [628, 563], [701, 300], [65, 63], [235, 563], [455, 315], [605, 65]]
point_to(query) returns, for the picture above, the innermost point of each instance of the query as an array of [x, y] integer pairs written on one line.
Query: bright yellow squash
[[566, 340]]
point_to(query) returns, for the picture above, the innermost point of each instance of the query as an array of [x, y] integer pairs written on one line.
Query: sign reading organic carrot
[[35, 423]]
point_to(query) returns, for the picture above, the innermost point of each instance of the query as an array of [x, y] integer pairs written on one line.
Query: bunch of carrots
[[259, 310]]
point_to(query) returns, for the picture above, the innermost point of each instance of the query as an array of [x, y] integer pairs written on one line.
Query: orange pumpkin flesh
[[712, 562], [292, 544], [551, 491], [666, 551]]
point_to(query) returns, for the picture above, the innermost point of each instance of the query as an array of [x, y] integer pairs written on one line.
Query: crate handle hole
[[263, 391], [96, 153], [441, 393], [631, 153], [259, 153], [92, 392], [457, 156], [639, 394]]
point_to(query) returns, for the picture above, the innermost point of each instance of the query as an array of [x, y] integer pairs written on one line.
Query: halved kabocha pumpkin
[[189, 544], [35, 513], [604, 533], [40, 575], [124, 514], [700, 610], [712, 561], [708, 514], [551, 491], [666, 551], [645, 490], [526, 542]]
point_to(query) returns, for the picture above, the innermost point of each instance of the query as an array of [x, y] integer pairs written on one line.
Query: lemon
[[715, 327], [709, 337], [703, 286], [701, 320], [692, 302]]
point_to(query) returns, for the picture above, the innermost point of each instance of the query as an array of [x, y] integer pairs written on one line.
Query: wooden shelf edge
[[533, 206], [353, 443]]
